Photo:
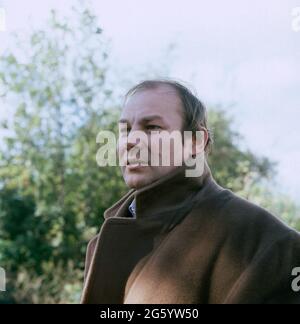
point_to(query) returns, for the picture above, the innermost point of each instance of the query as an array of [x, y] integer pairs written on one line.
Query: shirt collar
[[132, 208]]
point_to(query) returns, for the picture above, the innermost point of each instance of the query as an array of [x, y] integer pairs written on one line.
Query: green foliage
[[232, 166], [279, 204], [244, 173], [53, 195]]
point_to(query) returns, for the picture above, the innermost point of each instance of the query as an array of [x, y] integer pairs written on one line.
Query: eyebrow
[[144, 119]]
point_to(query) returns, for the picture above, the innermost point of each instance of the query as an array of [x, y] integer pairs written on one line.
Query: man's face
[[149, 110]]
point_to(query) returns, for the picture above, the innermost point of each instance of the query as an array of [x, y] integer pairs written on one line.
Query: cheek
[[166, 150], [154, 145]]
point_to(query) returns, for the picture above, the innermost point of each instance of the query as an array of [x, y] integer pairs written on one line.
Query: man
[[184, 240]]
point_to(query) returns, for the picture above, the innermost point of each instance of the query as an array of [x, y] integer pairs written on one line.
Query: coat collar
[[172, 194], [160, 207]]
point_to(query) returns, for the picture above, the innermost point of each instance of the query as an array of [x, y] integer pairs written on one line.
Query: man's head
[[154, 106]]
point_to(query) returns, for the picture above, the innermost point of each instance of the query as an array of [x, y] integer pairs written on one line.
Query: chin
[[138, 180], [134, 182]]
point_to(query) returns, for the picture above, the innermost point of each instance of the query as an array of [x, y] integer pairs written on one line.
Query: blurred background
[[64, 67]]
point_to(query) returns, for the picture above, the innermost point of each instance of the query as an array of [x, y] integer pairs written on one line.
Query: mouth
[[135, 164], [132, 167]]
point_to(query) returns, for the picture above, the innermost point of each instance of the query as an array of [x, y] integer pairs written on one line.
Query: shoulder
[[249, 217], [242, 224], [253, 252]]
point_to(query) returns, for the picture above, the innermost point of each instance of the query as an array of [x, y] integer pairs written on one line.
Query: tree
[[244, 173], [233, 165], [53, 194]]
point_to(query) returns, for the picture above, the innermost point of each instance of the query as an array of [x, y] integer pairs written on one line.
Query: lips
[[135, 164]]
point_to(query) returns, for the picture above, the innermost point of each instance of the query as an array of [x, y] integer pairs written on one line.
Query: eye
[[153, 127]]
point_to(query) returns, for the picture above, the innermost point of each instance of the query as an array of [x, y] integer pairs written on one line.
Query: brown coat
[[191, 242]]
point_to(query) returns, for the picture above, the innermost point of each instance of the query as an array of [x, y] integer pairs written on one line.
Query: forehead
[[162, 100]]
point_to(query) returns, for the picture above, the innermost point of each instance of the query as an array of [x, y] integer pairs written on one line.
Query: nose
[[132, 140]]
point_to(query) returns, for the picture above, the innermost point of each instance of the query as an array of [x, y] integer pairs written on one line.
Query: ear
[[200, 140]]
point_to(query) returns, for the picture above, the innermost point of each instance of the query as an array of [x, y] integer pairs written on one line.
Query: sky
[[242, 55]]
